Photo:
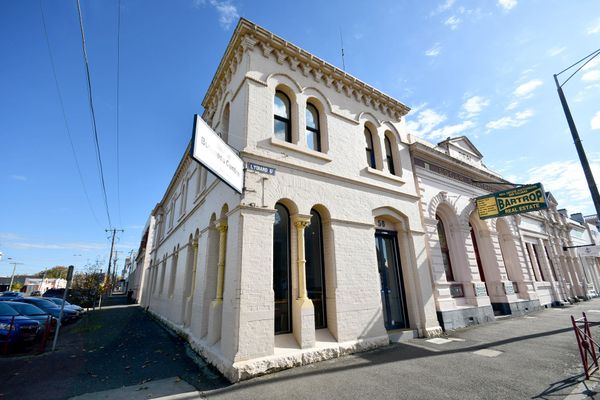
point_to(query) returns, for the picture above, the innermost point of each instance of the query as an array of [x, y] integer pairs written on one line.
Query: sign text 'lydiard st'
[[220, 159], [513, 201]]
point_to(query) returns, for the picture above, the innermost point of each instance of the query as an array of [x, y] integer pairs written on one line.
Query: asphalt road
[[107, 349]]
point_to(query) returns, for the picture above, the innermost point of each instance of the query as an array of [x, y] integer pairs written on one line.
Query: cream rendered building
[[327, 256], [486, 268]]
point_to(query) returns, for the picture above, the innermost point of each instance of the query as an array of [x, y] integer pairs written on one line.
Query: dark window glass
[[551, 263], [477, 255], [281, 270], [313, 132], [531, 259], [537, 258], [281, 115], [315, 273], [389, 157], [369, 148], [445, 250]]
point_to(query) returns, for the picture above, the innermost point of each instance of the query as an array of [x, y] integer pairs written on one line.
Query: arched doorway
[[281, 270], [393, 295], [315, 271]]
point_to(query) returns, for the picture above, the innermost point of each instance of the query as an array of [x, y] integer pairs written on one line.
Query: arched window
[[369, 148], [315, 272], [313, 130], [282, 117], [477, 254], [389, 156], [281, 270], [444, 249], [225, 124]]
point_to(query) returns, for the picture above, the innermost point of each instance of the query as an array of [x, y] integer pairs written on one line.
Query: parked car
[[51, 308], [11, 294], [83, 297], [68, 305], [35, 313], [14, 328], [36, 293]]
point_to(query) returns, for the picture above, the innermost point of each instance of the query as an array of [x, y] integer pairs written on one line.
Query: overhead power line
[[92, 113], [118, 84], [64, 115]]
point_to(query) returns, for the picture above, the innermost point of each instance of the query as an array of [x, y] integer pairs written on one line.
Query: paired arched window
[[281, 270], [225, 124], [444, 249], [313, 130], [315, 272], [282, 117], [389, 158], [369, 148]]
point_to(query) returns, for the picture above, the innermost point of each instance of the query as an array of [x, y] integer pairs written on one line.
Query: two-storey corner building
[[324, 253]]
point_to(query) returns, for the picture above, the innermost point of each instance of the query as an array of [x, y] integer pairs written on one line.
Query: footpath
[[121, 353], [118, 346]]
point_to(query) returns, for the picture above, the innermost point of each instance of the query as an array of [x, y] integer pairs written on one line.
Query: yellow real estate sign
[[513, 201]]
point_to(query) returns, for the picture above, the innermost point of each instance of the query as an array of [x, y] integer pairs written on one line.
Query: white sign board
[[212, 152], [589, 251]]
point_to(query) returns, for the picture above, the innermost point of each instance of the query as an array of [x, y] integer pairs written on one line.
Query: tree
[[54, 272]]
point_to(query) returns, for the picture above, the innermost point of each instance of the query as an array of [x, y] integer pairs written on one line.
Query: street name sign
[[260, 168], [589, 251], [216, 155], [513, 201]]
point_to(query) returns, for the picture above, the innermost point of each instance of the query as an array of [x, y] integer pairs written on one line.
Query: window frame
[[370, 151], [286, 121], [389, 156], [445, 250], [316, 131]]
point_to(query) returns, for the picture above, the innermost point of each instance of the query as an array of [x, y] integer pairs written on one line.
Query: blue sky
[[477, 68]]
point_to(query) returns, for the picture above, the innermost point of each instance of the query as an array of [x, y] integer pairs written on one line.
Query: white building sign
[[212, 152], [589, 251]]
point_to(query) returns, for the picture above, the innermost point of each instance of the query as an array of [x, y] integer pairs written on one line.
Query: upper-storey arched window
[[445, 249], [313, 130], [389, 158], [369, 148], [282, 117], [225, 124]]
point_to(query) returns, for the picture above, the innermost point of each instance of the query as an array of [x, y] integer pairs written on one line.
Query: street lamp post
[[12, 277], [580, 152]]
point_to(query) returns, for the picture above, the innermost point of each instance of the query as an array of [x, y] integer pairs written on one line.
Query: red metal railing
[[587, 345]]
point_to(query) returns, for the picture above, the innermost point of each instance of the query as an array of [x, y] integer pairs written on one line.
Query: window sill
[[385, 175], [301, 150]]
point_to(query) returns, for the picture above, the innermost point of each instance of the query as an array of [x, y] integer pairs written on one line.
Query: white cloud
[[474, 105], [453, 22], [595, 122], [445, 6], [434, 51], [451, 130], [507, 5], [228, 13], [554, 51], [527, 88], [425, 121], [566, 181], [513, 104], [519, 119], [18, 177], [593, 75], [595, 28], [58, 246]]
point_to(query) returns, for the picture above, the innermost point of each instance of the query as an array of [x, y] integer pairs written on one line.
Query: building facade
[[334, 246]]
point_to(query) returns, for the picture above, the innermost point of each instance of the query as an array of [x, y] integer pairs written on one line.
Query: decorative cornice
[[248, 35]]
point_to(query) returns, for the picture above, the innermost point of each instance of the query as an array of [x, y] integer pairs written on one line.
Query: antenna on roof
[[342, 42]]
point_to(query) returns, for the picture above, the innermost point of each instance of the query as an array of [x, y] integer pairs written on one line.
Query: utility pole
[[580, 152], [112, 246], [12, 278]]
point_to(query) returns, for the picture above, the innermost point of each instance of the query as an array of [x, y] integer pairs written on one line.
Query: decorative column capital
[[301, 221]]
